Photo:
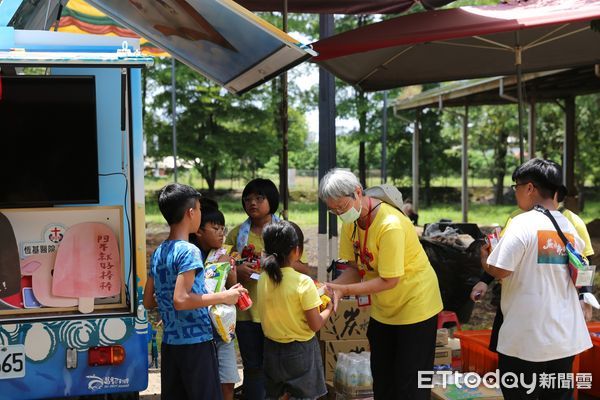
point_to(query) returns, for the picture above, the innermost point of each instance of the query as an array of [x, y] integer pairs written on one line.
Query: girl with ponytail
[[288, 305]]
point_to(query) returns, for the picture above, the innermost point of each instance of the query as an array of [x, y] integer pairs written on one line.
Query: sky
[[310, 78]]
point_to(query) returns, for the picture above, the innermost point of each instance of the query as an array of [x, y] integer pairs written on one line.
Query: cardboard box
[[441, 338], [349, 322], [443, 355], [452, 392], [331, 348], [454, 344]]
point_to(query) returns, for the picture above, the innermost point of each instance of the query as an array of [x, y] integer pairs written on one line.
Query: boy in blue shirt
[[176, 285]]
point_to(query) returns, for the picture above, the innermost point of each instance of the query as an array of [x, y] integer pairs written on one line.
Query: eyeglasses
[[217, 229], [340, 210], [258, 199]]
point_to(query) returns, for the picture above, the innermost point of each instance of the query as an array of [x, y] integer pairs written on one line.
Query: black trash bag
[[458, 270]]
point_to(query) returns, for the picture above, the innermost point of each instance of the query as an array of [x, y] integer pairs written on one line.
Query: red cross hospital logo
[[56, 234]]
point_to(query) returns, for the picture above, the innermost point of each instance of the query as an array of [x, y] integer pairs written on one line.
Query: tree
[[491, 130], [214, 127]]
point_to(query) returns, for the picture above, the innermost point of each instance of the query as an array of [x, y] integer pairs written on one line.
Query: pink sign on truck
[[88, 264]]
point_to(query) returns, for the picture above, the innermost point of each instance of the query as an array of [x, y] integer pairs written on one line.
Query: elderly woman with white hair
[[390, 269]]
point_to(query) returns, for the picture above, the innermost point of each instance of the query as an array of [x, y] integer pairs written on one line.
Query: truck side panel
[[48, 338]]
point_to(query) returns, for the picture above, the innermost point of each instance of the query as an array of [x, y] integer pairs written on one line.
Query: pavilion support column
[[532, 133], [569, 154], [464, 195], [415, 162], [327, 244]]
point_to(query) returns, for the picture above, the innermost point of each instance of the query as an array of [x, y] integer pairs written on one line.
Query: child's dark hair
[[263, 187], [280, 239], [210, 214], [545, 175], [299, 234], [174, 199]]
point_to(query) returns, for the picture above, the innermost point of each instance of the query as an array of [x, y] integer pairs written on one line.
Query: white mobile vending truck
[[72, 229]]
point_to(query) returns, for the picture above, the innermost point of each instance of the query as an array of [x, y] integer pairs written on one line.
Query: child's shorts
[[295, 368], [228, 370], [183, 376]]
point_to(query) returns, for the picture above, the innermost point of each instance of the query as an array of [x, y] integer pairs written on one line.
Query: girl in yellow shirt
[[288, 305]]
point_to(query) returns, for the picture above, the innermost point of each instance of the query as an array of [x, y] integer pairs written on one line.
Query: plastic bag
[[223, 317]]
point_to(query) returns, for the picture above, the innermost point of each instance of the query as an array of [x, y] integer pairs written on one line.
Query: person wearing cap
[[389, 269], [544, 326]]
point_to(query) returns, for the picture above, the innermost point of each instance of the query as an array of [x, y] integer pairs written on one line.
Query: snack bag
[[222, 315], [215, 275], [324, 298], [223, 318]]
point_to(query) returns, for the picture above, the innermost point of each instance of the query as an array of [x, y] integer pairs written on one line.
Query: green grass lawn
[[193, 178], [306, 213]]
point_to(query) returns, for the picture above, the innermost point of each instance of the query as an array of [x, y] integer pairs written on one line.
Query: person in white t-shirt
[[544, 327]]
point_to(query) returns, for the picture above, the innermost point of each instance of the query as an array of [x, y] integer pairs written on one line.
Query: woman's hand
[[336, 293]]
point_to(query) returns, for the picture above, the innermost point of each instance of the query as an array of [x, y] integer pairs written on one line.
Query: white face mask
[[351, 215]]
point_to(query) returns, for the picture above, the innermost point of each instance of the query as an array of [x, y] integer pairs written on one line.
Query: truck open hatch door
[[218, 38]]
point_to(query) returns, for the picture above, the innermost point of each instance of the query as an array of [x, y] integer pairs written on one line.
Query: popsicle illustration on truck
[[88, 265]]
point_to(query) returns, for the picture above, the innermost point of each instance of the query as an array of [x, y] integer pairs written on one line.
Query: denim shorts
[[228, 370], [295, 368]]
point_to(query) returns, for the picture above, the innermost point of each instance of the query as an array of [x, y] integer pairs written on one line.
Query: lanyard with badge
[[363, 253]]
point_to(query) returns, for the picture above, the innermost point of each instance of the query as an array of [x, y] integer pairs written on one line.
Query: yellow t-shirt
[[577, 222], [397, 252], [581, 231], [252, 313], [281, 307]]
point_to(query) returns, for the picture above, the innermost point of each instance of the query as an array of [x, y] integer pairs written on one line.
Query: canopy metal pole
[[415, 162], [326, 251], [384, 139], [518, 53], [569, 154], [174, 117], [465, 167], [283, 176]]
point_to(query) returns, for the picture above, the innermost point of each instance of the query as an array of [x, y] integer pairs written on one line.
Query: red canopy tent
[[464, 43], [470, 42]]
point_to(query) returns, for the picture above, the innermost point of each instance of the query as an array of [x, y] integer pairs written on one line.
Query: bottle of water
[[353, 375], [340, 369], [365, 378]]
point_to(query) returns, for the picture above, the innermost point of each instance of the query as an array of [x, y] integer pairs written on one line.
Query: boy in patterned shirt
[[176, 285]]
